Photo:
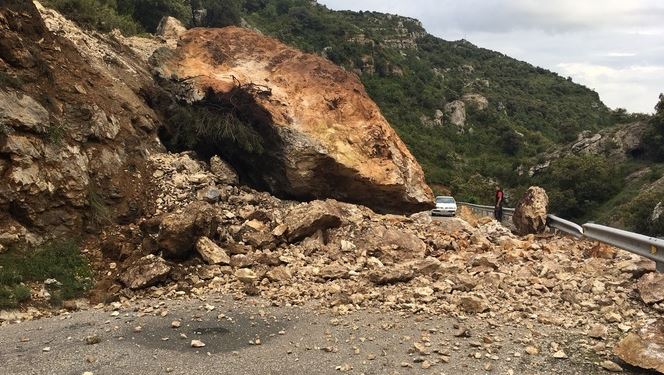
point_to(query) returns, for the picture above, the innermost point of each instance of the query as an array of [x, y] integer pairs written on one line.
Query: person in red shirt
[[500, 198]]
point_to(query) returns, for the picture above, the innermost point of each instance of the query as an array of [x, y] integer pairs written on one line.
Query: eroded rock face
[[644, 347], [325, 136], [70, 132], [530, 213]]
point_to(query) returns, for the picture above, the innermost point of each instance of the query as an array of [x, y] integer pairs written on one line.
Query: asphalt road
[[252, 337]]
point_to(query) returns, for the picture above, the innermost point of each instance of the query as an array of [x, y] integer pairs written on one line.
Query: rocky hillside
[[469, 115], [73, 137]]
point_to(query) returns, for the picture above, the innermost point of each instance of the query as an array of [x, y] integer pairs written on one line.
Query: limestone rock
[[246, 275], [472, 304], [390, 275], [651, 287], [332, 138], [178, 232], [211, 252], [223, 171], [279, 274], [530, 213], [170, 28], [611, 366], [147, 271], [308, 218], [21, 111], [476, 100], [456, 111], [644, 347], [392, 244]]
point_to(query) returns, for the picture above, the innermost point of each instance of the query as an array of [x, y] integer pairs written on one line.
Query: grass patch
[[100, 212], [60, 260], [55, 133]]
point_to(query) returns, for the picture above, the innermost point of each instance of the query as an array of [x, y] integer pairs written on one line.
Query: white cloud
[[625, 87], [621, 36]]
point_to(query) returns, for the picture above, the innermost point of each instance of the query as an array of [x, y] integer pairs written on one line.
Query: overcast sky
[[615, 47]]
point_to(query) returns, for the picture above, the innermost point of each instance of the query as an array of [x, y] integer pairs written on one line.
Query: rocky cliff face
[[72, 135], [326, 137], [618, 143]]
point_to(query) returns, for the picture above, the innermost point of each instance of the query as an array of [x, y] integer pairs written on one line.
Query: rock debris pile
[[208, 236]]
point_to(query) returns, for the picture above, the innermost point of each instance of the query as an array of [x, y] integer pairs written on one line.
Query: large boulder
[[530, 213], [644, 347], [391, 244], [323, 137], [179, 231]]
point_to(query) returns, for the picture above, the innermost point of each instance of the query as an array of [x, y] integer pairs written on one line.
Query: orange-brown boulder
[[324, 136]]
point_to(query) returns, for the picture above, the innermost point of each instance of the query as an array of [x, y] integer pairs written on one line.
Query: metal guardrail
[[645, 246], [648, 247], [565, 226]]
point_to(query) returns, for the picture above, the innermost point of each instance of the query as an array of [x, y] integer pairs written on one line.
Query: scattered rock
[[211, 252], [309, 218], [178, 232], [224, 173], [147, 271], [651, 287], [473, 304], [197, 344], [560, 355], [598, 331], [246, 275], [611, 366]]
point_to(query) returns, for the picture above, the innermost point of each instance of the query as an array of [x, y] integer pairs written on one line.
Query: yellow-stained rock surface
[[335, 142]]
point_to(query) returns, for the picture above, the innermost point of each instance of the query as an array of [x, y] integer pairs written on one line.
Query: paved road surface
[[292, 341]]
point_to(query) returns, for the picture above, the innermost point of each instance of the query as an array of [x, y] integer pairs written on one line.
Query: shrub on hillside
[[645, 216], [577, 184]]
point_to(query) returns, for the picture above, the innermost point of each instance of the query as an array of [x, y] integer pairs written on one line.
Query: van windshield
[[445, 200]]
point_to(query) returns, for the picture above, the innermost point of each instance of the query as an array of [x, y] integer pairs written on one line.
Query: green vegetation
[[103, 15], [579, 184], [59, 260], [654, 139], [209, 125], [55, 133], [645, 214]]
